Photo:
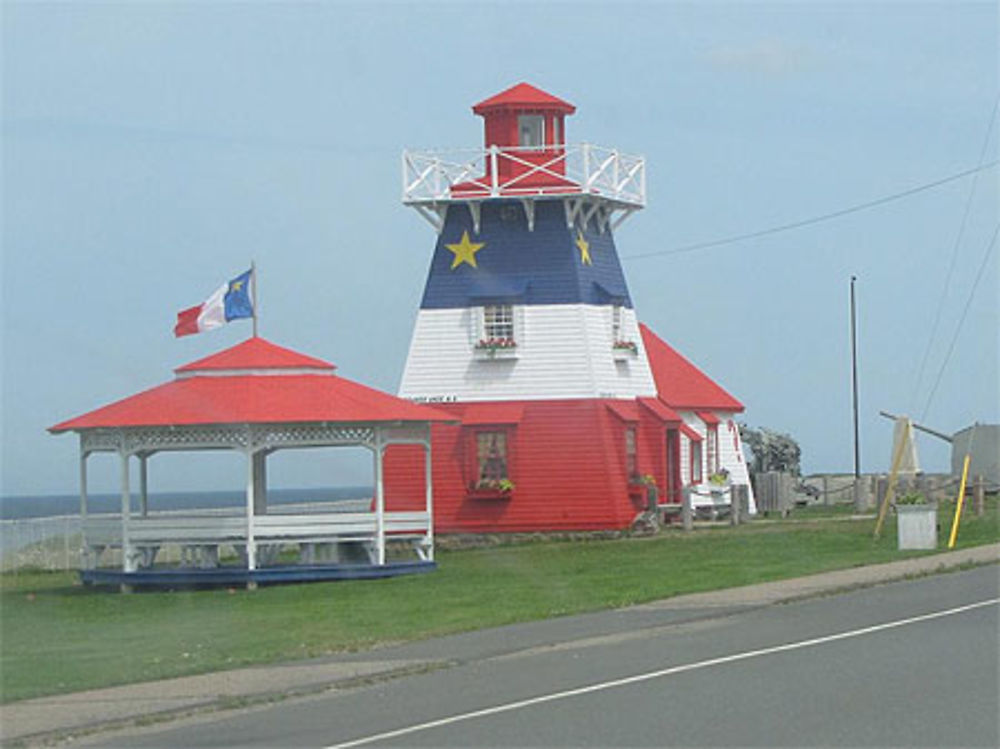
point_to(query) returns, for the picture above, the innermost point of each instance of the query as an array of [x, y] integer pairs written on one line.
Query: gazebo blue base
[[184, 577]]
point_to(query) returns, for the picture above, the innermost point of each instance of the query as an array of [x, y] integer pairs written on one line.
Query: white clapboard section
[[562, 351], [731, 455]]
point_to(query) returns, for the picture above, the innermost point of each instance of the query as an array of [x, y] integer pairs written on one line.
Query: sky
[[151, 150]]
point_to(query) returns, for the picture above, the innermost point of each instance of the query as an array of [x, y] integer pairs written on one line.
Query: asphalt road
[[912, 663]]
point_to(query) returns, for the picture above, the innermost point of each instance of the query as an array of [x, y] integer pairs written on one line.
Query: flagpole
[[253, 292]]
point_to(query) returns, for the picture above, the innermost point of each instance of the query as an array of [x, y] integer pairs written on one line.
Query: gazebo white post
[[84, 546], [430, 495], [260, 482], [143, 485], [379, 500], [127, 557], [251, 493]]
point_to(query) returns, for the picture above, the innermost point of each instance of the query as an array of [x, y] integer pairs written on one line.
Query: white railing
[[277, 528], [572, 169], [55, 542]]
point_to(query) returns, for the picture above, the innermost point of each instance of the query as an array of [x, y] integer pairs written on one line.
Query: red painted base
[[566, 461]]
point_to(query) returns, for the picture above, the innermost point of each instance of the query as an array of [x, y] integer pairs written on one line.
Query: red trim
[[627, 411], [660, 409], [709, 418], [479, 414], [696, 476], [690, 433]]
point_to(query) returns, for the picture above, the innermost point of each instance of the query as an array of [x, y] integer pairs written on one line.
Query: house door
[[673, 467]]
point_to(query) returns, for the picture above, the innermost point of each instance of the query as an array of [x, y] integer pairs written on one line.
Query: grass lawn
[[56, 636]]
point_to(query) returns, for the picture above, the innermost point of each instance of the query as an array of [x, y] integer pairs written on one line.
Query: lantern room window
[[531, 131]]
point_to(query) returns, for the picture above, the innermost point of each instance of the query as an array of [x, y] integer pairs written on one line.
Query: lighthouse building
[[566, 408]]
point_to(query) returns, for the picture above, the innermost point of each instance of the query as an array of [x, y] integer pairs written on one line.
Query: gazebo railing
[[280, 528]]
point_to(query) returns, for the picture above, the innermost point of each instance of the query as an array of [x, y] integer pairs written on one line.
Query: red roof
[[709, 418], [679, 382], [274, 396], [255, 354], [624, 410], [661, 409], [690, 433], [523, 96]]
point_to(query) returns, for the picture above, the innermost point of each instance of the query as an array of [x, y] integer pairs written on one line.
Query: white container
[[917, 526]]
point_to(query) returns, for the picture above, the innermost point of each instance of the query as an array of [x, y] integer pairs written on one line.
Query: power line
[[968, 303], [954, 257], [814, 219]]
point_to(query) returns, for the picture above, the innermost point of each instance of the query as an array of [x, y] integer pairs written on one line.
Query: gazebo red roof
[[523, 96], [679, 382], [255, 354], [250, 383]]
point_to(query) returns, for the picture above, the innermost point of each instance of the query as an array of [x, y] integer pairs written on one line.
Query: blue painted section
[[518, 266], [220, 576]]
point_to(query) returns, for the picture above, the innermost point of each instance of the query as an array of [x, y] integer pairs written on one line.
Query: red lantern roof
[[523, 96], [254, 382], [679, 382]]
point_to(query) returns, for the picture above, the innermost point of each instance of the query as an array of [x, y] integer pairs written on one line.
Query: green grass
[[60, 637]]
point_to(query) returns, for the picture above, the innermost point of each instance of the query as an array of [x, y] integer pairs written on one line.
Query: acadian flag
[[231, 301]]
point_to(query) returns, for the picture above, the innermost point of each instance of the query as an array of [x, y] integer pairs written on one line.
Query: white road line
[[656, 675]]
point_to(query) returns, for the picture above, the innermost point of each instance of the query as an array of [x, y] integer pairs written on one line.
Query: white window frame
[[498, 321], [488, 328], [617, 323]]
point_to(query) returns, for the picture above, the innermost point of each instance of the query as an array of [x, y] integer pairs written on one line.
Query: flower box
[[490, 494], [624, 350], [496, 348]]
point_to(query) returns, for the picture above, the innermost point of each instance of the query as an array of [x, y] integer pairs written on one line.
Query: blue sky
[[151, 150]]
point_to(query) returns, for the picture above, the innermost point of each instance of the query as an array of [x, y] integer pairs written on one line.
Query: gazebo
[[254, 398]]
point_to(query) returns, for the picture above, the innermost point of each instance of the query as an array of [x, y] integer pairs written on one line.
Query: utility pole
[[854, 377]]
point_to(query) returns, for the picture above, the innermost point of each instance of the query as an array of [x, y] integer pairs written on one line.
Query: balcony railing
[[574, 169]]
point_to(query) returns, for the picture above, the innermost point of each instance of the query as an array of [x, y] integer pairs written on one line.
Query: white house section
[[728, 448], [559, 351]]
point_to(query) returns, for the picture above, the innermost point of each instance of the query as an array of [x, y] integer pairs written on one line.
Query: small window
[[491, 458], [531, 131], [498, 322], [713, 448], [631, 456], [555, 131], [616, 324], [695, 462]]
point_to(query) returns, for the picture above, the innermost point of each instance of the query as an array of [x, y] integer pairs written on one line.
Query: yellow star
[[236, 286], [584, 246], [465, 251]]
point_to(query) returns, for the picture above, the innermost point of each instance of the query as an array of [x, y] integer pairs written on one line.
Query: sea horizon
[[24, 506]]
